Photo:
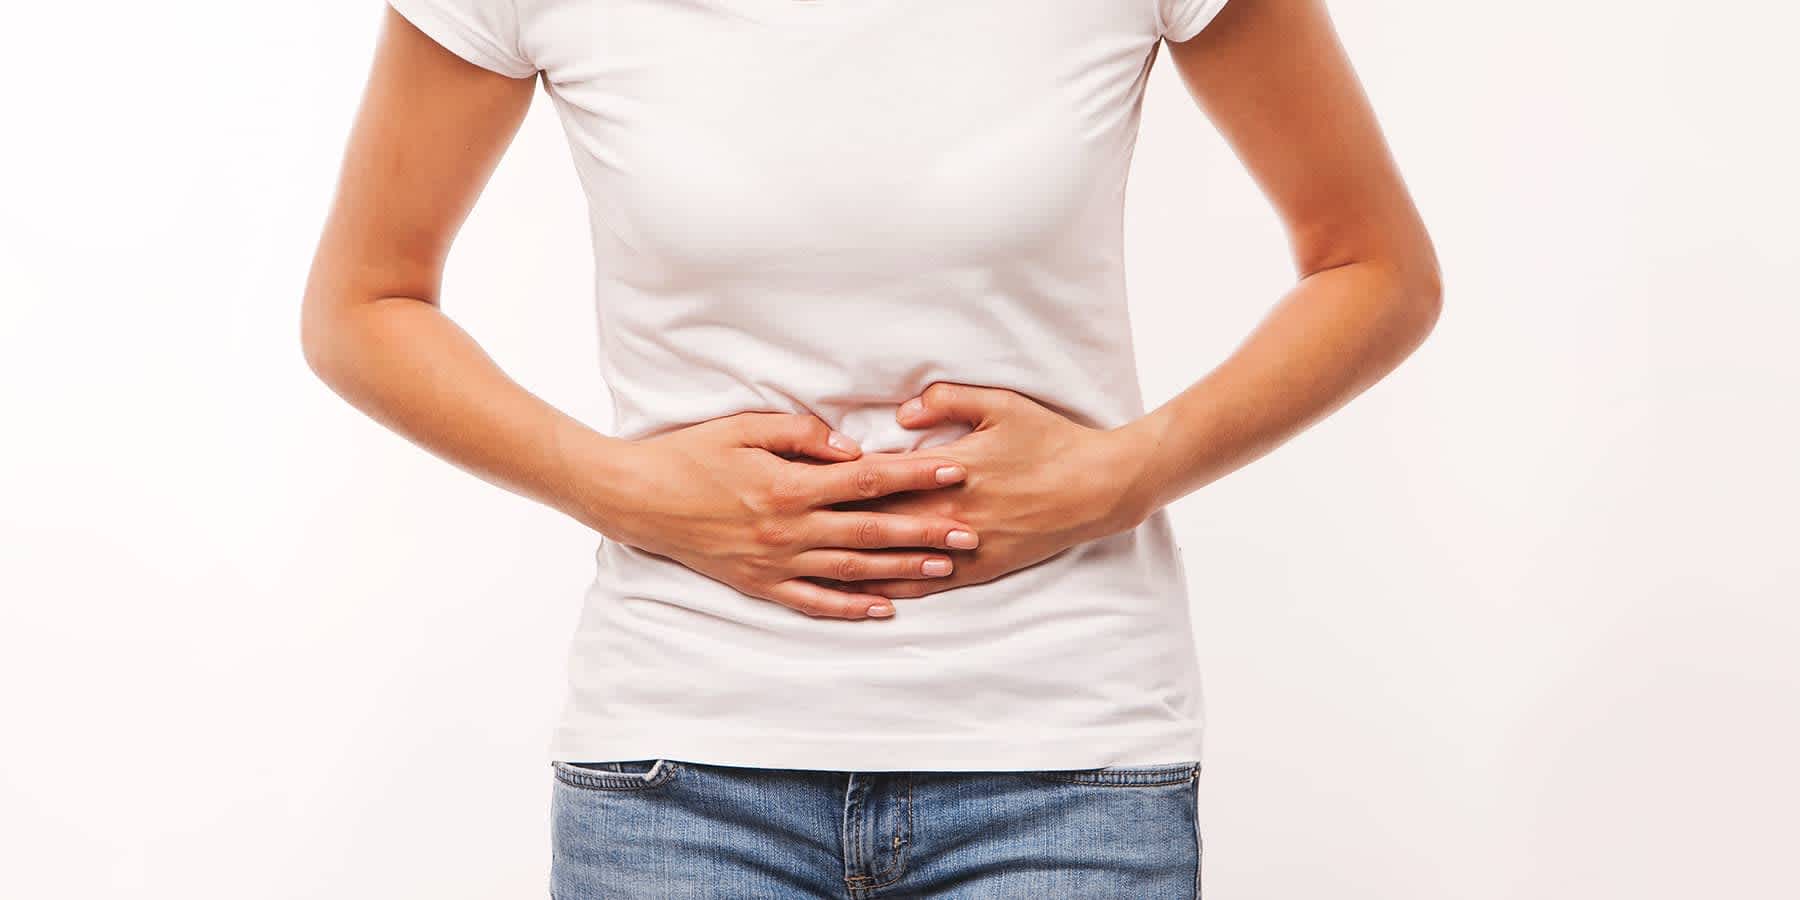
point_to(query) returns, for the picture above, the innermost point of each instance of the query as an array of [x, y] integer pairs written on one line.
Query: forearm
[[1336, 333], [408, 366]]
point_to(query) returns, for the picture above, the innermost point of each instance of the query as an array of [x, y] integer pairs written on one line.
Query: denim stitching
[[1199, 849], [1126, 777], [597, 780], [854, 881], [862, 812], [900, 856]]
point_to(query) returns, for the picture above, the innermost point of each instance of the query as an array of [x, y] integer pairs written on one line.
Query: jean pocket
[[1127, 776], [632, 775]]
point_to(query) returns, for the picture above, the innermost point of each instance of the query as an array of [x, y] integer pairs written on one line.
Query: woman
[[887, 601]]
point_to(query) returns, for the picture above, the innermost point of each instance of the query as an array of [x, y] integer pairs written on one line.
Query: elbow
[[1425, 300], [1398, 283], [313, 342], [346, 322], [319, 340], [1418, 296]]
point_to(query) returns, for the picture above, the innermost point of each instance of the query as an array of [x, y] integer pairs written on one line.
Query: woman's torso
[[823, 206]]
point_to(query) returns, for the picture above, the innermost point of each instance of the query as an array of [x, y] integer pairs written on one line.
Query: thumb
[[793, 434], [948, 401]]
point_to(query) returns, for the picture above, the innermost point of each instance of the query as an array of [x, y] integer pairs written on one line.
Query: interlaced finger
[[864, 530]]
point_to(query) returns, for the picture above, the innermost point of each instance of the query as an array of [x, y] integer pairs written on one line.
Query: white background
[[1519, 623]]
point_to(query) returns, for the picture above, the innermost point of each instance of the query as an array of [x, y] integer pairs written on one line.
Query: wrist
[[595, 486], [1133, 460]]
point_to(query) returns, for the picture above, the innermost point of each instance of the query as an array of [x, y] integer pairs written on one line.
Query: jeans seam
[[900, 854], [617, 782], [854, 881], [1128, 778], [1199, 849]]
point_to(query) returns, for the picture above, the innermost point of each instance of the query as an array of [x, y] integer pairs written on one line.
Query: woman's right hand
[[737, 499]]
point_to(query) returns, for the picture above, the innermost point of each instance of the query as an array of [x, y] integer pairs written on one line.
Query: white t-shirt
[[824, 206]]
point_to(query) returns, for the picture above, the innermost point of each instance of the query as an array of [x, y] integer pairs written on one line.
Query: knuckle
[[774, 532], [866, 482], [790, 427], [868, 532], [849, 568], [759, 570], [939, 392], [785, 491]]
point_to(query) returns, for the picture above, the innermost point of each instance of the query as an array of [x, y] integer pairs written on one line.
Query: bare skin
[[765, 502]]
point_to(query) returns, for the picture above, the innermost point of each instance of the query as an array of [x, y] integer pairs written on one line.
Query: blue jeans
[[673, 830]]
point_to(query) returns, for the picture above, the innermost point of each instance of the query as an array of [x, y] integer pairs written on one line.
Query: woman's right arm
[[719, 497]]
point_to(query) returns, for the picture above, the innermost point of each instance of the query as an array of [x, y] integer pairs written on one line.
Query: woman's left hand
[[1036, 484]]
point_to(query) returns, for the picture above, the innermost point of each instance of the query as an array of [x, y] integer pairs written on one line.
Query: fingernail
[[912, 407], [842, 442], [947, 474], [936, 567], [961, 540], [881, 610]]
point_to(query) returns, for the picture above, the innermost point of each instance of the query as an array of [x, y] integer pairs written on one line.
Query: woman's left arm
[[1275, 81]]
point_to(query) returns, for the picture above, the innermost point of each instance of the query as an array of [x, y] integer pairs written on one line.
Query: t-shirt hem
[[1032, 750]]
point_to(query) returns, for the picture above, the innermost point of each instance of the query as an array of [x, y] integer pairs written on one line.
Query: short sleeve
[[484, 32], [1182, 19]]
